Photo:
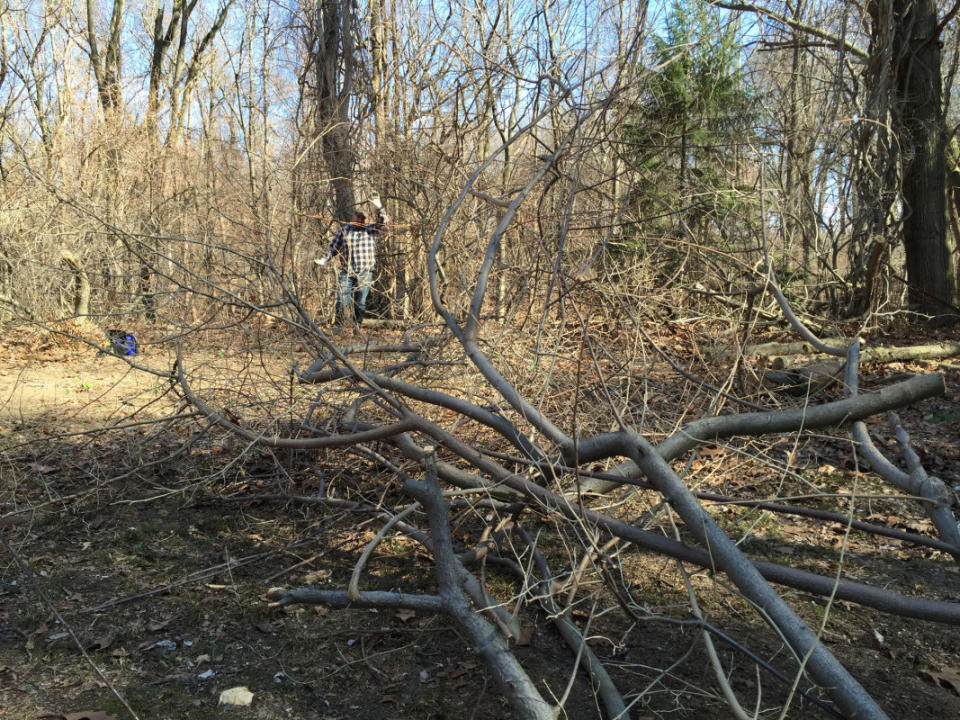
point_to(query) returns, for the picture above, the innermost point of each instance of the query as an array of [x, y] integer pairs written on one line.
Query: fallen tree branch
[[562, 619], [849, 695], [492, 420], [630, 606], [771, 349], [277, 441], [919, 387], [718, 672], [848, 590], [851, 591], [917, 482], [488, 643], [768, 505], [929, 351], [340, 599]]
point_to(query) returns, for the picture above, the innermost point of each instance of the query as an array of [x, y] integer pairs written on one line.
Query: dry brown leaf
[[89, 715], [462, 669], [100, 643], [525, 636], [945, 677], [405, 615]]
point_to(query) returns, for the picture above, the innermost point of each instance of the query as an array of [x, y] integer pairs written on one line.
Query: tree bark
[[333, 64], [931, 351], [80, 302], [106, 67], [918, 113]]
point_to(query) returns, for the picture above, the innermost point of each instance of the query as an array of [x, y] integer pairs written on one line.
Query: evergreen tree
[[687, 135]]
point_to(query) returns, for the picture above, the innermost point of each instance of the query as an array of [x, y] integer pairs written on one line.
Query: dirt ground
[[157, 565]]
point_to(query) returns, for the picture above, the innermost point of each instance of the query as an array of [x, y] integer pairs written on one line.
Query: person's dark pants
[[353, 289]]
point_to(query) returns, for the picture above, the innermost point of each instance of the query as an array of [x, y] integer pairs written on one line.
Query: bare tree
[[330, 31], [105, 61], [899, 152]]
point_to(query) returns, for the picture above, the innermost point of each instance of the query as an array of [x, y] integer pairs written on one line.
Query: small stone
[[238, 696]]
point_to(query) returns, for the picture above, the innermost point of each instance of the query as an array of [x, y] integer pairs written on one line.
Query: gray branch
[[916, 482], [919, 387]]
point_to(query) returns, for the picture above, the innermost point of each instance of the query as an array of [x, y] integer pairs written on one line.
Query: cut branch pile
[[486, 442], [550, 478]]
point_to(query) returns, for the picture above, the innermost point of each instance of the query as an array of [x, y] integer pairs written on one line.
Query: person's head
[[359, 218]]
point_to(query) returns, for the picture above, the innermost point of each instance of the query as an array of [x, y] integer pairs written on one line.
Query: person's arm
[[336, 247]]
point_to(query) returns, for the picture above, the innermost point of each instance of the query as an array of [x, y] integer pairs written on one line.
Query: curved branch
[[852, 591], [353, 588], [785, 308], [492, 420], [917, 482], [606, 689], [724, 554], [817, 32], [379, 433], [919, 387]]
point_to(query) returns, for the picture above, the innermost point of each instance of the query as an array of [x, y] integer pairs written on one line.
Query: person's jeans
[[352, 292]]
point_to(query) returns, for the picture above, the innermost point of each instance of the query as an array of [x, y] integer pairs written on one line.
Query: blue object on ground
[[122, 342]]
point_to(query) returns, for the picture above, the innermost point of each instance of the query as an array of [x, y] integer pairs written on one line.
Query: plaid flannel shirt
[[355, 246]]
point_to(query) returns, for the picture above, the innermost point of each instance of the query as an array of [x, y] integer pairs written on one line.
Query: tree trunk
[[332, 58], [106, 67], [80, 302], [918, 112], [953, 185], [876, 168]]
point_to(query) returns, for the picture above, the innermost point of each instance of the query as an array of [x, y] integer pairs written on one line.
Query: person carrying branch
[[355, 247]]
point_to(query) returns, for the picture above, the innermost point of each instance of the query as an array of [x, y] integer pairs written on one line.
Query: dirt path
[[73, 389]]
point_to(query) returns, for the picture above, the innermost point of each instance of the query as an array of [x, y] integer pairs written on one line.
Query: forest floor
[[157, 564]]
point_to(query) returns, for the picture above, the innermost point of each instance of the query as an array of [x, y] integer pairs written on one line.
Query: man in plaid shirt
[[354, 246]]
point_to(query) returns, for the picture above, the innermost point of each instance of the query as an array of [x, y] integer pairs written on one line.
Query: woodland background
[[653, 277]]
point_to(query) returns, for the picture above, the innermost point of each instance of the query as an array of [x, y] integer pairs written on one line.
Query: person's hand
[[321, 261]]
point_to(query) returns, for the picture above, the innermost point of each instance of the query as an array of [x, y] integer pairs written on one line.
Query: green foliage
[[702, 81], [687, 136]]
